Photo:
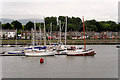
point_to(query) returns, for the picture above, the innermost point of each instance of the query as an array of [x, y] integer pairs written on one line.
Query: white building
[[8, 33]]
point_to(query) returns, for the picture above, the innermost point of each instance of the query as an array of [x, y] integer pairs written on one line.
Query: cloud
[[59, 0], [91, 10]]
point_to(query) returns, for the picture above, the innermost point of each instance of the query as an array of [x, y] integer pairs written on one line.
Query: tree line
[[74, 24]]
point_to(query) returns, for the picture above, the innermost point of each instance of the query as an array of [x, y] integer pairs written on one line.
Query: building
[[78, 35], [27, 34], [8, 34]]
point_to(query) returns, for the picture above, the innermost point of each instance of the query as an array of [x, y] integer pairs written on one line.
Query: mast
[[35, 34], [84, 34], [60, 30], [65, 31], [31, 37], [40, 34], [33, 41], [50, 32], [16, 37], [44, 34]]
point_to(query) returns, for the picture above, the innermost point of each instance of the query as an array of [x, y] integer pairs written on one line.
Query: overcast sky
[[90, 9]]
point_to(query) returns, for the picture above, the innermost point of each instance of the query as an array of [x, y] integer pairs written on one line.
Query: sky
[[101, 10]]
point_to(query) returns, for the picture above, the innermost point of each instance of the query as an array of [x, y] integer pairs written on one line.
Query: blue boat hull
[[15, 53]]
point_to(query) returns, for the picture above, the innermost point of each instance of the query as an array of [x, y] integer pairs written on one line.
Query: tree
[[3, 36], [74, 23], [118, 27], [112, 26], [55, 28], [93, 28], [19, 32], [29, 25], [62, 18], [108, 26], [72, 27], [92, 25], [48, 20], [7, 26], [16, 24]]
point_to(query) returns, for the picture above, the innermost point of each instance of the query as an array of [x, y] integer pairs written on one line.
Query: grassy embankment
[[69, 42]]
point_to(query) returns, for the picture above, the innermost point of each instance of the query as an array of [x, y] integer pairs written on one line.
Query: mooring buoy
[[41, 60]]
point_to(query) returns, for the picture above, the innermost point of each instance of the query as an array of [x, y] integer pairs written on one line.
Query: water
[[103, 65]]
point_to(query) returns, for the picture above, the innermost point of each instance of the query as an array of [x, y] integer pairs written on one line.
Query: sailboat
[[38, 51], [33, 47], [1, 52], [62, 49], [16, 51], [84, 51]]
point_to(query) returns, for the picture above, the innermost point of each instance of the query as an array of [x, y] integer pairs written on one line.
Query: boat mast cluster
[[51, 50]]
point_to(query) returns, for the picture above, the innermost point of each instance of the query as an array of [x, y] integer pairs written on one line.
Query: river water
[[103, 65]]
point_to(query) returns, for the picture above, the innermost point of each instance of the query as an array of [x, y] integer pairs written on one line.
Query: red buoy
[[41, 60]]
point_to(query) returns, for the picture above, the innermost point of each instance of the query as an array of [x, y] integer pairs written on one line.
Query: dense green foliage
[[74, 24], [29, 25], [16, 25], [93, 25], [6, 26]]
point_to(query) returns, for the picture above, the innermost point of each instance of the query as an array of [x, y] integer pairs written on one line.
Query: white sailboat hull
[[15, 52], [38, 54]]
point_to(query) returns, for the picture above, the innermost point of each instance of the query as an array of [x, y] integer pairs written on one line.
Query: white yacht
[[38, 53]]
